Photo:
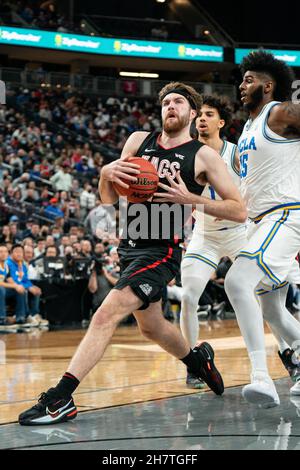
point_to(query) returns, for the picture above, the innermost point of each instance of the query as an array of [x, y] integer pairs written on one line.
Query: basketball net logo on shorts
[[146, 288]]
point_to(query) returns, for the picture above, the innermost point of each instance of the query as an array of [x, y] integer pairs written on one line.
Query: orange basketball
[[145, 186]]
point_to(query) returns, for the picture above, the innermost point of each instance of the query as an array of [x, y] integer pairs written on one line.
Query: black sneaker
[[292, 368], [50, 409], [208, 372]]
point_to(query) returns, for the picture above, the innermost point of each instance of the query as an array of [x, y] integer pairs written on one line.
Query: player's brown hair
[[222, 105], [193, 97]]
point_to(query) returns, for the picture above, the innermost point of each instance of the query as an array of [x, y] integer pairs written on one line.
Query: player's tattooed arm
[[292, 113], [285, 119]]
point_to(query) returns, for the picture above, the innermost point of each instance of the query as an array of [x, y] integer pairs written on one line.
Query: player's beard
[[256, 98], [175, 126]]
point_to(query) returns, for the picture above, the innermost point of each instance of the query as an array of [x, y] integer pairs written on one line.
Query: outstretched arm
[[231, 207], [208, 161]]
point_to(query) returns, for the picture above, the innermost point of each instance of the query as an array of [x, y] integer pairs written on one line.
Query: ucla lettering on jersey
[[270, 167], [205, 222]]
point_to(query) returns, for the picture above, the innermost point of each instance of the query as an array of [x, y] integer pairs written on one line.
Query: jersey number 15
[[244, 165]]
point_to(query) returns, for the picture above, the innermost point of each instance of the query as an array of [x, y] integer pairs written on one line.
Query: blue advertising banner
[[292, 58], [110, 46]]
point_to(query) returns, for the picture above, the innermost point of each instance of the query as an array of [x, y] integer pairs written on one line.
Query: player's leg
[[56, 405], [200, 361], [117, 305], [271, 246], [283, 325], [196, 269], [284, 351], [156, 328], [240, 286], [195, 274]]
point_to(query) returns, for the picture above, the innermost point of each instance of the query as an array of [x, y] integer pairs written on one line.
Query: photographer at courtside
[[104, 276]]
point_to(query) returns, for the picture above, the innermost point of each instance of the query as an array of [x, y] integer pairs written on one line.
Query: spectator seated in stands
[[52, 211], [32, 230], [86, 248], [34, 319], [19, 274], [62, 180], [10, 289], [16, 234], [87, 200]]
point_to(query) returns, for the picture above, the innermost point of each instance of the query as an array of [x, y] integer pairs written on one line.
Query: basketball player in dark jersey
[[148, 264]]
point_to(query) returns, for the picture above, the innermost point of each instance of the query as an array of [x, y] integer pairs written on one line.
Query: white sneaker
[[296, 401], [295, 390], [42, 321], [261, 391], [32, 321]]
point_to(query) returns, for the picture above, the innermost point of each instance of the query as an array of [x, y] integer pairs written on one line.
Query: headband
[[182, 92]]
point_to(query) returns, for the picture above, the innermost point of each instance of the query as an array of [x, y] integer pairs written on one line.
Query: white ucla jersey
[[270, 167], [207, 222]]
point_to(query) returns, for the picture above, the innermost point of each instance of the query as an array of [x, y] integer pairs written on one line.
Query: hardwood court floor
[[133, 369]]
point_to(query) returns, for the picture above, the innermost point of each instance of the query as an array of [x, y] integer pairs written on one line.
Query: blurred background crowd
[[54, 140]]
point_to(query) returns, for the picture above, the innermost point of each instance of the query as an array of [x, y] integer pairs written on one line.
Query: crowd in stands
[[49, 204], [48, 15], [48, 180], [144, 28], [38, 14]]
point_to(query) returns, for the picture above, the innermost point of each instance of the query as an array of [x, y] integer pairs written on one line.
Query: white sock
[[258, 362], [194, 277], [283, 325], [240, 285]]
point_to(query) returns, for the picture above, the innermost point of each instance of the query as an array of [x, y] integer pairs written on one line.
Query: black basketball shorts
[[148, 271]]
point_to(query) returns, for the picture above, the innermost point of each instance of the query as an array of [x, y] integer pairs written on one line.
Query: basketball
[[145, 186]]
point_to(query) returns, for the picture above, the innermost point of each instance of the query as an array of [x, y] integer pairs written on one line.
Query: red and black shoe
[[50, 409], [208, 371]]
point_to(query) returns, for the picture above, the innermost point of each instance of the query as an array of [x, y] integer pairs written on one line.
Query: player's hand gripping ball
[[145, 185]]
